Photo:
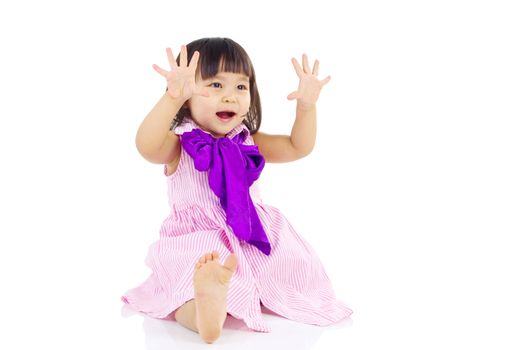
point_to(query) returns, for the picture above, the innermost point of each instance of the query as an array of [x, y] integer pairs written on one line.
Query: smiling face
[[226, 106], [226, 61]]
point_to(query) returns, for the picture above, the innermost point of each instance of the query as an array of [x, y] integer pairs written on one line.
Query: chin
[[223, 130], [220, 133]]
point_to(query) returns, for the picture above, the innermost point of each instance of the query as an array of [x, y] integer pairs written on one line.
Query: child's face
[[225, 107]]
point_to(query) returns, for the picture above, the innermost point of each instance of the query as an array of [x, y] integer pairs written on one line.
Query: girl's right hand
[[181, 82]]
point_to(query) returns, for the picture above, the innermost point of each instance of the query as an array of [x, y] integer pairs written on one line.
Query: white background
[[415, 196]]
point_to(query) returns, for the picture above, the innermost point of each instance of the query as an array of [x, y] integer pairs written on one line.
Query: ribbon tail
[[236, 200], [258, 237], [217, 176]]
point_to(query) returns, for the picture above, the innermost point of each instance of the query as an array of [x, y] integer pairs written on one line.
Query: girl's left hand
[[309, 85]]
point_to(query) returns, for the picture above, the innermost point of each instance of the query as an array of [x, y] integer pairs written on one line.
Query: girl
[[205, 130]]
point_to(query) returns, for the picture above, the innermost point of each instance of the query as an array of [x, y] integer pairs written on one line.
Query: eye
[[242, 87], [215, 85]]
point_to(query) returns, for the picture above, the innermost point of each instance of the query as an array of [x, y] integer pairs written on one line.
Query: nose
[[228, 97]]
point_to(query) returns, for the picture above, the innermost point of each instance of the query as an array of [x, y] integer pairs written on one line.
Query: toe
[[231, 262], [209, 256], [216, 255]]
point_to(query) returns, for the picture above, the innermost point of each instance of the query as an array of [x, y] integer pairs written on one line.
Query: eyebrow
[[224, 77]]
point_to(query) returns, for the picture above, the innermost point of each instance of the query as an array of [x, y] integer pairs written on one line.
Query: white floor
[[160, 334]]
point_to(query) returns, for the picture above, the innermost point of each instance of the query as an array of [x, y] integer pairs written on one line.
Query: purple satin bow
[[232, 167]]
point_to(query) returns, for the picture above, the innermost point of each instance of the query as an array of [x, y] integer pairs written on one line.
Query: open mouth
[[225, 114]]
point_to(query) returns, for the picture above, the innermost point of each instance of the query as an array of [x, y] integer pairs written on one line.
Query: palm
[[181, 81], [309, 85]]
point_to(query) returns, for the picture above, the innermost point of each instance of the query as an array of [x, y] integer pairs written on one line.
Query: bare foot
[[211, 282]]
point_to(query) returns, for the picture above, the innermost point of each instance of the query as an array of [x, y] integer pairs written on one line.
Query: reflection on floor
[[285, 334]]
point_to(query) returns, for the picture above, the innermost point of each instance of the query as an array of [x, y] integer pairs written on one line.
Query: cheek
[[246, 100], [197, 104]]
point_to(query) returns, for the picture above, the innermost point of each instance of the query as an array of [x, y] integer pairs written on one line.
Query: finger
[[326, 80], [183, 56], [294, 95], [159, 70], [306, 66], [316, 68], [194, 60], [297, 67], [170, 56]]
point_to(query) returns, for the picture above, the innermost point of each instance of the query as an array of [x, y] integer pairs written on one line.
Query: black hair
[[224, 54]]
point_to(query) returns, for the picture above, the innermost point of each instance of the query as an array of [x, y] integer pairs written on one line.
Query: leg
[[186, 315]]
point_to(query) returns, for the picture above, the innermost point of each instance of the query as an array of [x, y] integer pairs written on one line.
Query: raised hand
[[181, 82], [309, 85]]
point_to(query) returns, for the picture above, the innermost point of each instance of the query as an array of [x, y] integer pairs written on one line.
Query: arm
[[283, 148], [154, 141]]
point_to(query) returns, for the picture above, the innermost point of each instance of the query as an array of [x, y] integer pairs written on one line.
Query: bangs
[[223, 55]]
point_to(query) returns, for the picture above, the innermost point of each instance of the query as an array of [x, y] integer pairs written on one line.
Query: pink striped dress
[[291, 281]]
